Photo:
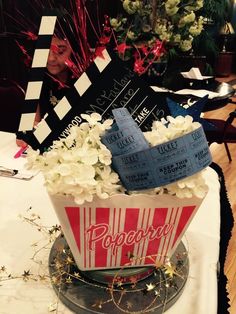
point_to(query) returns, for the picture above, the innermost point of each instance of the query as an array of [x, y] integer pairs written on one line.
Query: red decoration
[[27, 58], [98, 52], [144, 49], [72, 66], [150, 55], [76, 18], [121, 48], [60, 84], [30, 35], [54, 48], [138, 66]]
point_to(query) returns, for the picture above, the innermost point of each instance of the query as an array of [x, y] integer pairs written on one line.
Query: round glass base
[[125, 276], [129, 290]]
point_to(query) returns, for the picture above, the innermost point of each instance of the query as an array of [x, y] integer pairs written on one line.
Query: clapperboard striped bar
[[37, 71]]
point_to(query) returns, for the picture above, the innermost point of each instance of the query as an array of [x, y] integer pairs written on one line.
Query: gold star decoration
[[130, 255], [98, 304], [65, 273], [26, 275], [150, 286], [53, 100], [56, 280], [69, 260], [52, 307], [54, 229], [68, 279], [42, 277], [2, 269], [129, 305], [58, 265], [122, 293], [76, 275], [170, 270], [119, 283]]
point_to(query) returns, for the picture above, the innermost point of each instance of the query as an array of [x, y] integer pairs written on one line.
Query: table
[[17, 196], [219, 93]]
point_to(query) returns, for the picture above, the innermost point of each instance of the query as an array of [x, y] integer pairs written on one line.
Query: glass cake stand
[[127, 290]]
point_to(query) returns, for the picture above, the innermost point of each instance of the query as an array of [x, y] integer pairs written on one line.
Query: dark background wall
[[15, 15], [18, 15]]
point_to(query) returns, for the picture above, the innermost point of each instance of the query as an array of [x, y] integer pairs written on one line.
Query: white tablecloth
[[16, 238]]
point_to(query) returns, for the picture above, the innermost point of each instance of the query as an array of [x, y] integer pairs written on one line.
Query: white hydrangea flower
[[87, 155], [188, 187], [93, 118], [80, 165], [169, 129], [104, 155], [33, 158], [84, 196], [71, 166]]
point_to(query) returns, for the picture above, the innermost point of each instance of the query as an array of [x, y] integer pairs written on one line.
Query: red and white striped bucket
[[104, 234]]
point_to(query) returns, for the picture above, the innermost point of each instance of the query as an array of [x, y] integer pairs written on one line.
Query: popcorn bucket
[[104, 234]]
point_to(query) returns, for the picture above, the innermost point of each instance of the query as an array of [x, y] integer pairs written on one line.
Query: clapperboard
[[36, 76], [108, 83]]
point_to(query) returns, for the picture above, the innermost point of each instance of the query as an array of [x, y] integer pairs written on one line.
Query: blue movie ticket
[[142, 167], [125, 135]]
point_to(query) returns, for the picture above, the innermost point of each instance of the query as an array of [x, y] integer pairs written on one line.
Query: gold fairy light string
[[168, 269], [65, 272]]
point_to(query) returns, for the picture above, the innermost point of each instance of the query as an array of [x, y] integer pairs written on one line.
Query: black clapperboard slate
[[116, 86]]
